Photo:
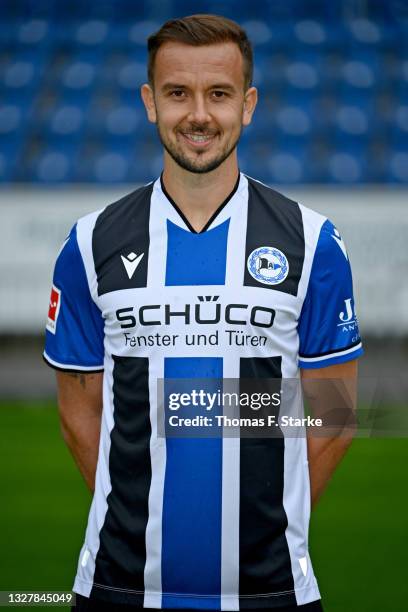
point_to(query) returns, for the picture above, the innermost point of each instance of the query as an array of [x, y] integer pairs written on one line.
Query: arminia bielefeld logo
[[268, 265]]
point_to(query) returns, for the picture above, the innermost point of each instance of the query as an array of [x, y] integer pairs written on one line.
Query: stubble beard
[[194, 166]]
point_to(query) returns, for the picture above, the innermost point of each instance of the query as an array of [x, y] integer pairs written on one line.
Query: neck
[[199, 195]]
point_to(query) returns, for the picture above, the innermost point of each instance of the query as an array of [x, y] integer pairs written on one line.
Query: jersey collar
[[214, 216]]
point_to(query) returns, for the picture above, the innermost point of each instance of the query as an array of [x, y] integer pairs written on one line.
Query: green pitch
[[358, 535]]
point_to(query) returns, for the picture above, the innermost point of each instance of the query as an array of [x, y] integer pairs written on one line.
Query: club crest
[[268, 265]]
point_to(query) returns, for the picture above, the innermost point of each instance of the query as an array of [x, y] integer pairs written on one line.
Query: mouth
[[198, 140]]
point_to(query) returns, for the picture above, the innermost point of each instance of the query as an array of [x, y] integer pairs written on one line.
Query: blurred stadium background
[[331, 130]]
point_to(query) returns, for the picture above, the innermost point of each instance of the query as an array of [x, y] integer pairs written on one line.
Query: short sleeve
[[75, 326], [328, 326]]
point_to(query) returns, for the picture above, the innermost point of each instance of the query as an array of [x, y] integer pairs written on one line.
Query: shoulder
[[270, 196], [129, 206], [330, 244], [285, 206], [131, 201]]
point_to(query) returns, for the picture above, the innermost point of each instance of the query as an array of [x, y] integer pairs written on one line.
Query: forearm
[[83, 443], [80, 407], [332, 396], [324, 455]]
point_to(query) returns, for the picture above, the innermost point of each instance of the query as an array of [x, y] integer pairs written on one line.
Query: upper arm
[[79, 396], [331, 393], [341, 375], [344, 371], [328, 327]]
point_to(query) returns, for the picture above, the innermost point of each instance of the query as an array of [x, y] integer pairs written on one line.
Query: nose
[[199, 112]]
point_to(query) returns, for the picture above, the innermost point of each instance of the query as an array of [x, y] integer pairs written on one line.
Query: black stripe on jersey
[[264, 559], [120, 230], [121, 557], [275, 221]]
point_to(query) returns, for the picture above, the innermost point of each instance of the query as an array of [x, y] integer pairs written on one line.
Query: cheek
[[170, 115], [172, 123], [231, 118]]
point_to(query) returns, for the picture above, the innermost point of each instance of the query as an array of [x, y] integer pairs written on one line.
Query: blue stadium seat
[[346, 166], [66, 123], [54, 164], [259, 31], [22, 73], [303, 74], [293, 122], [122, 123], [270, 72], [10, 149], [288, 166], [79, 75], [351, 121], [361, 70], [91, 33], [129, 79], [401, 123], [311, 32], [140, 30], [33, 32], [397, 170], [253, 160], [12, 120]]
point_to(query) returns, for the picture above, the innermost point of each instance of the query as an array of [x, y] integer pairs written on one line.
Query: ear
[[250, 100], [148, 100]]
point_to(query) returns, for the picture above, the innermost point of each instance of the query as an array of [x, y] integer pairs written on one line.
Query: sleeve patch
[[53, 309]]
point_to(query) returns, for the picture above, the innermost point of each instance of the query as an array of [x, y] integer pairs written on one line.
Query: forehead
[[186, 64]]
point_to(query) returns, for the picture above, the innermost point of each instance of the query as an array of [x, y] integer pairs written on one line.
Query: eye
[[177, 93], [218, 93]]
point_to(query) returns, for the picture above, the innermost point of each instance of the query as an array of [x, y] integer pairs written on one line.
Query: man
[[161, 285]]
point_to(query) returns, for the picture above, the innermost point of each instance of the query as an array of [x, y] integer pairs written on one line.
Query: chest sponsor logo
[[131, 261], [53, 309], [186, 319], [268, 265], [207, 311]]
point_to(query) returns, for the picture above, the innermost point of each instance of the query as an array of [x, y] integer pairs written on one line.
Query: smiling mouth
[[198, 140]]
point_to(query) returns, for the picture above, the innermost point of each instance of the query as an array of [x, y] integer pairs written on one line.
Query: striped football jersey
[[209, 523]]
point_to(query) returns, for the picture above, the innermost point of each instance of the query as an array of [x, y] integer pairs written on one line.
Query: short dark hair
[[201, 30]]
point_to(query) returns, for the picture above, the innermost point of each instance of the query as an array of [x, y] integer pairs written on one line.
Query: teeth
[[198, 138]]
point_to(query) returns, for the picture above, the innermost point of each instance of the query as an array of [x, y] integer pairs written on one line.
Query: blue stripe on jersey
[[196, 259], [191, 529]]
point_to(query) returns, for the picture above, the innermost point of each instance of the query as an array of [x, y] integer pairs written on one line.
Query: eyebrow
[[224, 86]]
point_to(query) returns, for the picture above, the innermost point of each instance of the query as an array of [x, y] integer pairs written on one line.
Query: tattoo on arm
[[80, 376]]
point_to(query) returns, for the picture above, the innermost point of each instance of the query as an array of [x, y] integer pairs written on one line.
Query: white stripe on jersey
[[331, 355], [67, 366]]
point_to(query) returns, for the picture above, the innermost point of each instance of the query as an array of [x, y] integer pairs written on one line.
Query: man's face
[[199, 103]]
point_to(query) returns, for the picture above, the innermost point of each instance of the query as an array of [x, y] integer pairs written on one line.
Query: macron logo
[[339, 240], [131, 262]]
